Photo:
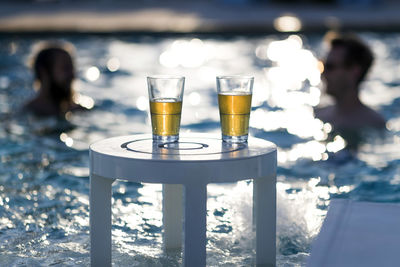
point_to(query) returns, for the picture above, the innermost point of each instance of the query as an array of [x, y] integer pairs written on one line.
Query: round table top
[[138, 158]]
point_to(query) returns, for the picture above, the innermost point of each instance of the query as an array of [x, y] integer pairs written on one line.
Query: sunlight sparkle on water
[[314, 97], [298, 121], [63, 137], [189, 54], [312, 149], [151, 193], [292, 67], [338, 144], [194, 98], [113, 64], [142, 103], [261, 52], [284, 49], [92, 74], [85, 101], [294, 64], [302, 123], [66, 139], [393, 125]]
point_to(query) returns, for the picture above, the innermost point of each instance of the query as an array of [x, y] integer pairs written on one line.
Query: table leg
[[172, 216], [264, 202], [100, 220], [194, 253]]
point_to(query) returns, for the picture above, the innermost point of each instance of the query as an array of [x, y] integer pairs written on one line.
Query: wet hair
[[44, 61], [46, 57], [356, 52]]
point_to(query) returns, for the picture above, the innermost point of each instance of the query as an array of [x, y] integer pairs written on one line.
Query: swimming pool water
[[44, 182]]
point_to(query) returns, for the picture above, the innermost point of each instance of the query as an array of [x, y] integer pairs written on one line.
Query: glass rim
[[166, 76], [236, 76]]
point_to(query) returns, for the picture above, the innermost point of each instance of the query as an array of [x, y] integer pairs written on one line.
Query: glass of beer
[[165, 95], [234, 101]]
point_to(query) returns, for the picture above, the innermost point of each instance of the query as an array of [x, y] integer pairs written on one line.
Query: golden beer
[[234, 110], [165, 116]]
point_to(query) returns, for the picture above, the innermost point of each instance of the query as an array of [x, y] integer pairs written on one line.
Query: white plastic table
[[195, 161]]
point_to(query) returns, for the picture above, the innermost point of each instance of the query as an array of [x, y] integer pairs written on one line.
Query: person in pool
[[346, 66], [54, 74]]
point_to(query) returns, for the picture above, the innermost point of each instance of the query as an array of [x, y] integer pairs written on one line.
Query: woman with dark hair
[[54, 72]]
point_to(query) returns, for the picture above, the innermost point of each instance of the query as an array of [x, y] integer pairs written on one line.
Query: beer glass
[[165, 96], [234, 101]]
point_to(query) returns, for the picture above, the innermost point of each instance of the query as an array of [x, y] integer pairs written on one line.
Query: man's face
[[337, 76]]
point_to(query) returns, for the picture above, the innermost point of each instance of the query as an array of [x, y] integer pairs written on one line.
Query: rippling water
[[44, 183]]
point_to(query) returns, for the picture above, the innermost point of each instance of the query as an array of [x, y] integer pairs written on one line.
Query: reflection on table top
[[191, 147], [196, 159]]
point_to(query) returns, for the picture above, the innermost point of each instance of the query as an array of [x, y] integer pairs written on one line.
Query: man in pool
[[54, 72], [346, 66]]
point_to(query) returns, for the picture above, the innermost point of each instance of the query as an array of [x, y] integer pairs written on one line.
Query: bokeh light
[[188, 54], [113, 64], [142, 103], [92, 74], [287, 23]]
